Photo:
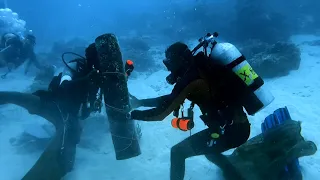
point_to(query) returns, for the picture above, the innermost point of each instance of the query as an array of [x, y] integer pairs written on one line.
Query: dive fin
[[279, 116]]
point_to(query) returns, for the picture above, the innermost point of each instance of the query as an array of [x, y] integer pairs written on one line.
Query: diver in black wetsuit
[[64, 103], [14, 51], [71, 96], [214, 93]]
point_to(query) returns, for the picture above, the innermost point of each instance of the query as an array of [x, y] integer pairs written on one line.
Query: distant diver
[[221, 85], [14, 51]]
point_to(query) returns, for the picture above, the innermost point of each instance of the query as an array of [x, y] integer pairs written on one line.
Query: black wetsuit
[[218, 102]]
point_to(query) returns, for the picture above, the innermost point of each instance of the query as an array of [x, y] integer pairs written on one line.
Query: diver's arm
[[154, 102], [7, 49], [170, 102], [160, 112]]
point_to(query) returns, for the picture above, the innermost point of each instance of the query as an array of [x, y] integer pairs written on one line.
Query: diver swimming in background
[[14, 51], [71, 97], [221, 96]]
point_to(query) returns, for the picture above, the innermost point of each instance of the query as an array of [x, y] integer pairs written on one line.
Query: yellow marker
[[247, 74], [215, 135]]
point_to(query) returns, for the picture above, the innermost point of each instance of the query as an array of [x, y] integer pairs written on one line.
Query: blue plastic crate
[[278, 117]]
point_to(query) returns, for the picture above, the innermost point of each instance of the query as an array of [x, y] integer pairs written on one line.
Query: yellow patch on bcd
[[247, 74]]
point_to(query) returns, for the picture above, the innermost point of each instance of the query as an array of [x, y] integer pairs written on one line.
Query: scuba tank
[[255, 97]]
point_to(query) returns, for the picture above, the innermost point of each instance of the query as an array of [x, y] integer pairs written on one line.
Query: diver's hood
[[170, 64]]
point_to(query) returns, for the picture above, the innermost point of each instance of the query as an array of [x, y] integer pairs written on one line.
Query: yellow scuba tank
[[228, 55]]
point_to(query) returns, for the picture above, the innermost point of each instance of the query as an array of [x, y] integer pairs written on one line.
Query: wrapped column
[[116, 97]]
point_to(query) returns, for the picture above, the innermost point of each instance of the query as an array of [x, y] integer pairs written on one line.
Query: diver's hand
[[135, 102], [128, 116], [133, 115]]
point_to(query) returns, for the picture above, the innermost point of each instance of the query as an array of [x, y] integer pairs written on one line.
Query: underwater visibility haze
[[159, 90]]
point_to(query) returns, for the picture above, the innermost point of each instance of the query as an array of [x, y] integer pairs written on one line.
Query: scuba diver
[[221, 84], [14, 51], [71, 97]]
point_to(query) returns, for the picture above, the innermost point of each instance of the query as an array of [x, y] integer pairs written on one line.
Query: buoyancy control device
[[226, 54]]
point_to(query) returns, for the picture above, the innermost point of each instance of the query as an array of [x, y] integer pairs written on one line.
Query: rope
[[64, 125], [123, 111], [128, 138], [115, 73]]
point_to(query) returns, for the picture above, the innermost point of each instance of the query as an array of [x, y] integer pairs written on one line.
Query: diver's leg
[[192, 146], [63, 148], [201, 143], [229, 171], [32, 103], [235, 135]]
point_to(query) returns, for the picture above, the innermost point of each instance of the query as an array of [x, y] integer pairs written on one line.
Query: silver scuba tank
[[228, 55]]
